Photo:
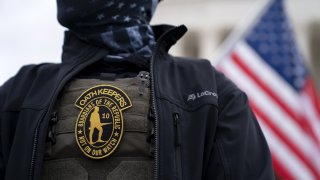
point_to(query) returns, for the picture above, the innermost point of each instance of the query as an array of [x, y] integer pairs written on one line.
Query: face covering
[[121, 26]]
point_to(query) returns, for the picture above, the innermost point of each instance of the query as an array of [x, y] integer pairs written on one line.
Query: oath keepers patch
[[99, 125]]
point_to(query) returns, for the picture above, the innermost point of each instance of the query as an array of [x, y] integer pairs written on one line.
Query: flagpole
[[240, 30]]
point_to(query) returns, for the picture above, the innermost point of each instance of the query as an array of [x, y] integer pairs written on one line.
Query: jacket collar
[[167, 36], [76, 50]]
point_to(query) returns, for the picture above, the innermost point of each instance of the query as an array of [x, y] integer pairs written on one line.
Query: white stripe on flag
[[284, 154], [278, 117], [270, 77], [311, 116], [278, 86]]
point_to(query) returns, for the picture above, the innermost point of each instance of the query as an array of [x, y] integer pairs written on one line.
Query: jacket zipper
[[154, 108], [177, 135], [68, 76]]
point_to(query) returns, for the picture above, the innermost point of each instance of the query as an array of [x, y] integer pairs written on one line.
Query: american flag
[[265, 63]]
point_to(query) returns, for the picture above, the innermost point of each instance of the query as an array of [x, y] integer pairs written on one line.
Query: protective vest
[[131, 159]]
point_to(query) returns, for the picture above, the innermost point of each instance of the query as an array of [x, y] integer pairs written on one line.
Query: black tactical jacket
[[204, 127]]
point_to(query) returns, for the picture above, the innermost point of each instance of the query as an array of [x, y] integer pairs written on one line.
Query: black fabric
[[69, 169], [114, 169], [127, 67], [122, 27], [219, 138]]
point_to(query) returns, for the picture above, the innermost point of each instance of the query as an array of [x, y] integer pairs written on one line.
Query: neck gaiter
[[121, 26]]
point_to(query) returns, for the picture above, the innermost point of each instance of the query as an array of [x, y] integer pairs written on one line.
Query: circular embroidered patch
[[99, 125]]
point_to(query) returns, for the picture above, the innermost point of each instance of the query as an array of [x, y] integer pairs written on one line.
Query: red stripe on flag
[[305, 125], [311, 91], [281, 170], [284, 139]]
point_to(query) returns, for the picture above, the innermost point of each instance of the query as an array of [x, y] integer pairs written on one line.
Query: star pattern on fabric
[[127, 19], [133, 5], [120, 5], [109, 4], [115, 17], [274, 41], [132, 20], [100, 16], [79, 132], [145, 14]]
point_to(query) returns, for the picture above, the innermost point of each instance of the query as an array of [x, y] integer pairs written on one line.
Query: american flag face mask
[[121, 26]]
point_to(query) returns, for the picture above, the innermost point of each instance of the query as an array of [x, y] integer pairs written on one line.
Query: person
[[95, 123], [170, 117]]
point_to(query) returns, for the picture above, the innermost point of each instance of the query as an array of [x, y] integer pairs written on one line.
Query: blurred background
[[29, 31]]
